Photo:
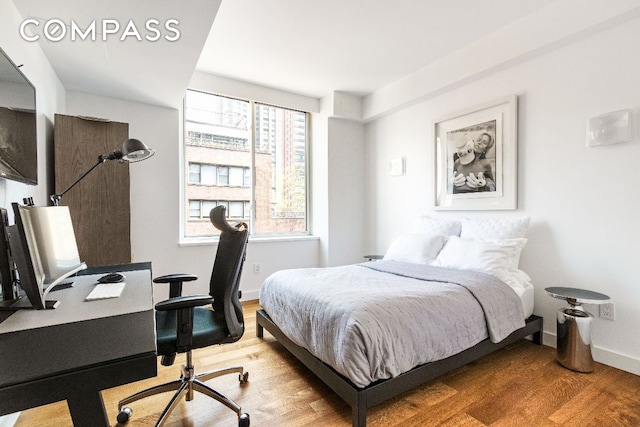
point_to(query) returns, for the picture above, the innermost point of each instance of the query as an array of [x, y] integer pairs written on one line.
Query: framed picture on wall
[[476, 157]]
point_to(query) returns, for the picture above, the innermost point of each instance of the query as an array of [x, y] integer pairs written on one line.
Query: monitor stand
[[7, 276], [23, 303], [7, 305]]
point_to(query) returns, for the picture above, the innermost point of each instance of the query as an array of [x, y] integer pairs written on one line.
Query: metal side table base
[[574, 327], [574, 339]]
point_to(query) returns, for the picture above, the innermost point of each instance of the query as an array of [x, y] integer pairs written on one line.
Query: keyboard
[[105, 290]]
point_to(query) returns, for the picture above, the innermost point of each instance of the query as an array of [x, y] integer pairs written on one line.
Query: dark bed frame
[[361, 399]]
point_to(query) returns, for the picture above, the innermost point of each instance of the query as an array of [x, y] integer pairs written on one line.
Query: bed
[[441, 297]]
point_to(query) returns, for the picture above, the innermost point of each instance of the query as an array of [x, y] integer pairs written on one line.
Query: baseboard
[[620, 361], [603, 355], [250, 295]]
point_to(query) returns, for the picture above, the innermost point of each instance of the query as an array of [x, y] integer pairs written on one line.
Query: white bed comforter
[[371, 325]]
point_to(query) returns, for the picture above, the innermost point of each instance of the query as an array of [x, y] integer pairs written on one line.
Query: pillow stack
[[485, 244], [415, 248], [429, 225], [488, 245], [423, 245]]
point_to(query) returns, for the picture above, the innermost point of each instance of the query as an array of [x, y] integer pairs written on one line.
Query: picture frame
[[476, 157]]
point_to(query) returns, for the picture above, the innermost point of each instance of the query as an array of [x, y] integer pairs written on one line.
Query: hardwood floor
[[521, 385]]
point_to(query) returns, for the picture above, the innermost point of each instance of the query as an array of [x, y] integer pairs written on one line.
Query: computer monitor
[[56, 240], [7, 278], [44, 249]]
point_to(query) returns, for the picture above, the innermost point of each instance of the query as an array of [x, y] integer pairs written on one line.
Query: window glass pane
[[236, 209], [223, 175], [236, 176], [207, 205], [226, 205], [247, 177], [208, 174], [194, 173], [281, 201], [222, 155], [194, 209]]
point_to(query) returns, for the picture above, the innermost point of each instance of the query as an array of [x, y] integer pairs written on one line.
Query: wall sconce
[[133, 150], [610, 128]]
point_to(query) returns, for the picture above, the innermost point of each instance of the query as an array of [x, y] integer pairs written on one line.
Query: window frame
[[185, 178]]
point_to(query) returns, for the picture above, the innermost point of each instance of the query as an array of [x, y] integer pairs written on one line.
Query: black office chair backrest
[[227, 270]]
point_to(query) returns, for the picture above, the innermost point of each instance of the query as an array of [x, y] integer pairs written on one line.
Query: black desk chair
[[183, 324]]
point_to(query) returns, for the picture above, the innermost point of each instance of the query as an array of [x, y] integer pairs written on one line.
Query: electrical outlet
[[256, 268], [607, 311]]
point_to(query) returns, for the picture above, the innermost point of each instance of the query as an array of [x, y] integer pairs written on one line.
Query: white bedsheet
[[370, 325]]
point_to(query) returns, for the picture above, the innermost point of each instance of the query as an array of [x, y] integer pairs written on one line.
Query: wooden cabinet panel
[[99, 204]]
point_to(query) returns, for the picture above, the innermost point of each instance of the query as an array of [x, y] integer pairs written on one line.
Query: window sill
[[207, 241]]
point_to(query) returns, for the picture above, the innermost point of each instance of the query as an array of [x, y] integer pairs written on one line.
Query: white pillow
[[494, 228], [415, 248], [429, 225], [480, 255]]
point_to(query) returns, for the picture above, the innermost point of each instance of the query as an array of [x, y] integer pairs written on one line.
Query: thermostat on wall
[[610, 128]]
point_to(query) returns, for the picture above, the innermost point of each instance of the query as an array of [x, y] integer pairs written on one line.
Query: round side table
[[574, 327]]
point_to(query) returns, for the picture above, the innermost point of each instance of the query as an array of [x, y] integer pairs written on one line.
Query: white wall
[[155, 203], [346, 207], [50, 98], [338, 172], [583, 202]]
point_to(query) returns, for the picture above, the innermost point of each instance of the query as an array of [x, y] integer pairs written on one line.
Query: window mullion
[[252, 150]]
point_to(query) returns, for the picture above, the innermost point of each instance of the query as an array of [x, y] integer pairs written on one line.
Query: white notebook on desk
[[105, 290]]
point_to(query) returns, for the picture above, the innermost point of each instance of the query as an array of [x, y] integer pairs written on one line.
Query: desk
[[82, 347]]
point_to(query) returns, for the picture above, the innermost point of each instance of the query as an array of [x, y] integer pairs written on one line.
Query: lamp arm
[[55, 198]]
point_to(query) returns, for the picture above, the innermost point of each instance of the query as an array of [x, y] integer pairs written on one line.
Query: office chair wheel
[[243, 420], [124, 415], [243, 378]]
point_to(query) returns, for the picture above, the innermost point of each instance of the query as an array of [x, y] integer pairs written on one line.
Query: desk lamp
[[133, 150]]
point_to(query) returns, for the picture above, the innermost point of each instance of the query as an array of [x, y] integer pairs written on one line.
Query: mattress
[[370, 324]]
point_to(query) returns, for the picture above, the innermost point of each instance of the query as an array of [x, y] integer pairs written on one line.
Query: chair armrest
[[175, 282], [184, 309], [188, 301], [179, 277]]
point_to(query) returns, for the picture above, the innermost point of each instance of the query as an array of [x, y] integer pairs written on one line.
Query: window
[[236, 176], [219, 175], [223, 175], [199, 209], [225, 140]]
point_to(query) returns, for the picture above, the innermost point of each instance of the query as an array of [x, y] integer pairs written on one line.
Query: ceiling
[[302, 46], [357, 46], [153, 72]]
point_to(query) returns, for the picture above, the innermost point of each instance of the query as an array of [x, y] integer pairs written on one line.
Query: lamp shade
[[134, 150]]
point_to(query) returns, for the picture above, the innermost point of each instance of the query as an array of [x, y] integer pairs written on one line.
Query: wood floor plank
[[520, 385]]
